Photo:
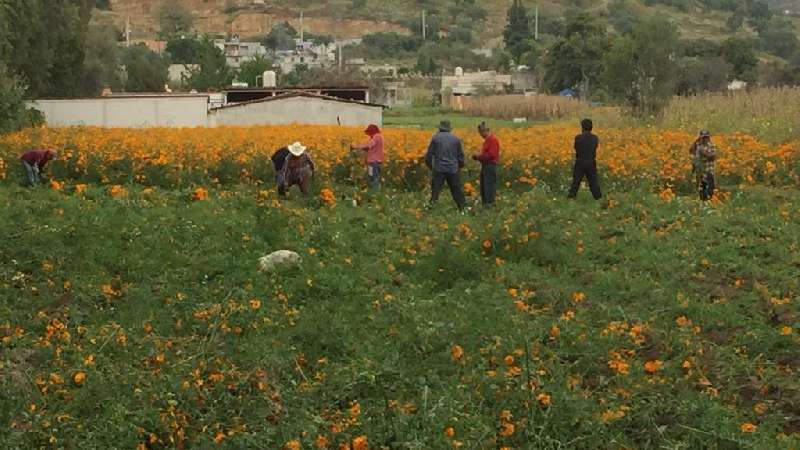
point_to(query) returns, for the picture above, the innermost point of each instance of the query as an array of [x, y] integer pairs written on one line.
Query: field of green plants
[[142, 321]]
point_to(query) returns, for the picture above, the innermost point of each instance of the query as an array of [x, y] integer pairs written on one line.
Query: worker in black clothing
[[586, 161], [278, 161]]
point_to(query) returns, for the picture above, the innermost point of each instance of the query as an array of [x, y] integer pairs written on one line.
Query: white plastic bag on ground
[[281, 258]]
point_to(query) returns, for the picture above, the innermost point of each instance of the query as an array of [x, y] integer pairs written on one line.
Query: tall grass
[[539, 107], [771, 114]]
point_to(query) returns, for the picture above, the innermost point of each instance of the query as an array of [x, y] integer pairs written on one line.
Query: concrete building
[[297, 107], [306, 53], [396, 94], [193, 110], [238, 52], [463, 83], [126, 111]]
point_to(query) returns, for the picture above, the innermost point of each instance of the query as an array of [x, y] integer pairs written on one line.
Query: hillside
[[342, 18]]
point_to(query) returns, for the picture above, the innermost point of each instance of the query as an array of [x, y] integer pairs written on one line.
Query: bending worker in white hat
[[297, 168]]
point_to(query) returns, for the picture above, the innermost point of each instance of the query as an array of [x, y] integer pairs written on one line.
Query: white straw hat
[[297, 149]]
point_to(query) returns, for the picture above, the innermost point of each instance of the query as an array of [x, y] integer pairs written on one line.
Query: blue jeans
[[31, 174], [374, 175]]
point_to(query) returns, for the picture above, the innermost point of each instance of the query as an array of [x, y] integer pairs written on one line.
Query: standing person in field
[[33, 163], [489, 157], [586, 145], [298, 169], [704, 156], [374, 150], [445, 158]]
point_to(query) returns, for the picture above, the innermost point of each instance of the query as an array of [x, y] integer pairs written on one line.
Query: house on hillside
[[306, 53], [463, 84], [238, 52]]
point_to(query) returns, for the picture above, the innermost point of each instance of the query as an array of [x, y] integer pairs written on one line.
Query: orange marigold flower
[[220, 436], [509, 360], [360, 443], [506, 429], [786, 331], [449, 432], [80, 188], [457, 353], [487, 244], [321, 442], [653, 366], [56, 185], [328, 197], [79, 378], [544, 399], [748, 427], [199, 194]]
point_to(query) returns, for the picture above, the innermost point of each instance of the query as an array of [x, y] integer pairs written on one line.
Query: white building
[[193, 110], [237, 52], [306, 53], [463, 83]]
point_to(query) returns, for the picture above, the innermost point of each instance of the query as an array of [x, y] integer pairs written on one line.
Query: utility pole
[[536, 25], [301, 27], [127, 32], [424, 26]]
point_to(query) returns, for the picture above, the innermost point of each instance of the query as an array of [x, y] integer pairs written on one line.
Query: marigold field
[[133, 314]]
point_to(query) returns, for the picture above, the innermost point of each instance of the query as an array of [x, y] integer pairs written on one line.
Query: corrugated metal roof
[[298, 94]]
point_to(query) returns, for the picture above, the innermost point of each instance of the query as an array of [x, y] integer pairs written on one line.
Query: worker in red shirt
[[489, 157], [374, 151], [33, 162]]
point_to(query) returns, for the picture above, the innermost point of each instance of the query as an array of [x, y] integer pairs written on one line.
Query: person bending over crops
[[297, 169], [33, 163], [489, 157], [374, 150], [445, 158], [586, 145], [704, 156]]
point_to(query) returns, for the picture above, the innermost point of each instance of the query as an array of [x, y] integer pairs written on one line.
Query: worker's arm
[[709, 152], [460, 153], [429, 155]]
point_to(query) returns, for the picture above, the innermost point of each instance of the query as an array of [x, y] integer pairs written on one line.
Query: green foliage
[[576, 59], [212, 71], [44, 44], [518, 33], [702, 74], [740, 52], [779, 37], [250, 70], [14, 115], [639, 68], [622, 15], [281, 37], [212, 346], [102, 62], [174, 19], [145, 70], [185, 50]]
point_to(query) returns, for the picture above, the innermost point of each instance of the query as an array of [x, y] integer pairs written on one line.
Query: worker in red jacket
[[34, 161], [489, 157]]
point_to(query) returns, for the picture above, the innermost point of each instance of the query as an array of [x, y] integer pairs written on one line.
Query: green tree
[[45, 44], [622, 15], [640, 68], [14, 114], [576, 60], [212, 71], [281, 37], [740, 53], [174, 19], [778, 36], [102, 62], [517, 34], [251, 70], [184, 50], [145, 70], [426, 59]]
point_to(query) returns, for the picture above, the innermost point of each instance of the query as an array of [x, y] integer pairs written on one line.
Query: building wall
[[304, 110], [126, 112]]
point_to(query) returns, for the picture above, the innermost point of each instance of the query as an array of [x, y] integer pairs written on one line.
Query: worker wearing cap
[[445, 157], [704, 156], [33, 162], [298, 169], [374, 150]]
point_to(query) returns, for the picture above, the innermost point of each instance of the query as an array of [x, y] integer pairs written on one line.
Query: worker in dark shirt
[[445, 158], [586, 161], [278, 160]]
